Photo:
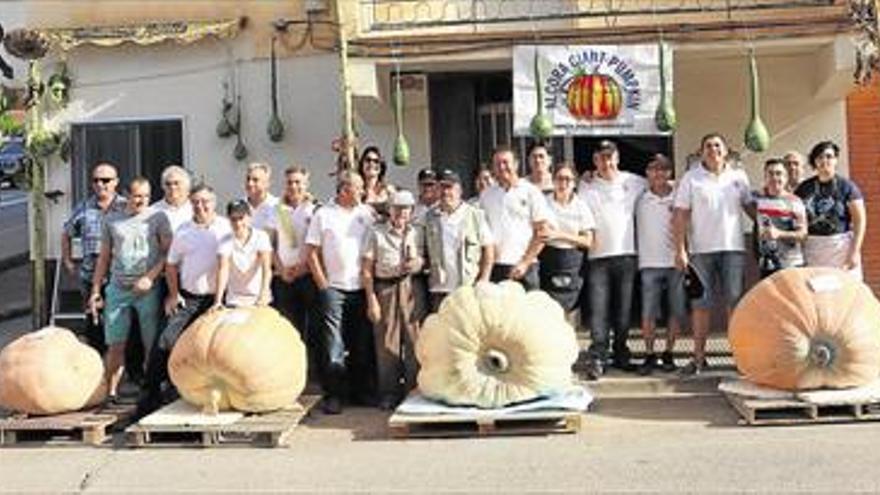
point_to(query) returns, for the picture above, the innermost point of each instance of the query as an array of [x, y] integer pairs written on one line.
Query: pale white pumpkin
[[49, 372], [495, 344]]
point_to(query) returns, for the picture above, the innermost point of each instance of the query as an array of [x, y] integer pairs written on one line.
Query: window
[[136, 148]]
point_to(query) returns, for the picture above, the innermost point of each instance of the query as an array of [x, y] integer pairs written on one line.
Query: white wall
[[712, 94], [169, 80]]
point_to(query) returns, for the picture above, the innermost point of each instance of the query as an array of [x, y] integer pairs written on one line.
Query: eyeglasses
[[370, 159], [103, 180]]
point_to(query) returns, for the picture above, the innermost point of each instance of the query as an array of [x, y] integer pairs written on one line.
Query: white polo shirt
[[613, 203], [715, 205], [341, 236], [654, 230], [245, 271], [452, 230], [290, 226], [572, 218], [511, 214], [195, 250], [177, 215], [260, 214]]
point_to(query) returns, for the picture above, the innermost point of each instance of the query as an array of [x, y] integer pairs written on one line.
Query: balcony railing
[[433, 15]]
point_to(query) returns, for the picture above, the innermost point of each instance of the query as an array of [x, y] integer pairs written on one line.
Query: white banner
[[590, 90]]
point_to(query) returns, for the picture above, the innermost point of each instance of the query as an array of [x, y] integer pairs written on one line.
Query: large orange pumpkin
[[247, 359], [593, 97], [49, 372], [807, 328]]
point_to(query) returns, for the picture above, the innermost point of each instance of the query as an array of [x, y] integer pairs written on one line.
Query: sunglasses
[[103, 180]]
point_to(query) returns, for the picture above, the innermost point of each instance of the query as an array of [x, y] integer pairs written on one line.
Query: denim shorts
[[659, 281], [119, 303], [721, 274]]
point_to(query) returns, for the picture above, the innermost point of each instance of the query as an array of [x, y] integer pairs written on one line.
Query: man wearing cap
[[517, 212], [392, 254], [612, 196], [460, 245], [335, 243], [427, 180]]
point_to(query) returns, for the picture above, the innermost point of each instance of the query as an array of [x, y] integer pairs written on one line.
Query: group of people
[[357, 274]]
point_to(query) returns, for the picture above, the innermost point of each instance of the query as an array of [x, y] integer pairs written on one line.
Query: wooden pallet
[[758, 412], [193, 427], [91, 427], [401, 425]]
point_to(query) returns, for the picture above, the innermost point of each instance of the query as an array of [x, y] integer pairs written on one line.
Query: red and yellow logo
[[593, 97]]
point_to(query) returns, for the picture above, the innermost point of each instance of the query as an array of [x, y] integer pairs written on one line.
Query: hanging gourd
[[49, 372], [665, 115], [807, 328], [541, 127], [275, 128], [757, 137], [492, 345], [240, 152], [225, 128], [247, 359], [401, 147]]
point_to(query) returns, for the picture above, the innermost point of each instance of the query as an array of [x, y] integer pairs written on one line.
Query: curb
[[14, 312], [14, 261]]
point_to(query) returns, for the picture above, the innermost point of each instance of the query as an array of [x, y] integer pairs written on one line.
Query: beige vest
[[468, 261]]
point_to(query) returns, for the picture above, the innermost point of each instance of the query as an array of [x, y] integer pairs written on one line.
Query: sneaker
[[331, 405], [648, 365], [594, 370], [667, 362], [693, 368]]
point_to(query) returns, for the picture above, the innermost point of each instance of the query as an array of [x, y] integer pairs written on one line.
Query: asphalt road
[[641, 445], [13, 223]]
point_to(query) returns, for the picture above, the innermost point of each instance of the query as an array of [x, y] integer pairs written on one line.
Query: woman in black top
[[836, 218]]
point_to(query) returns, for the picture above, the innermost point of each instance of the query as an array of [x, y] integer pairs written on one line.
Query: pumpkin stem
[[496, 361], [213, 407], [822, 354]]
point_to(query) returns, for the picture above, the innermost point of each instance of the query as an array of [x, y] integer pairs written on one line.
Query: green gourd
[[541, 127], [757, 137], [275, 129], [401, 147], [665, 116]]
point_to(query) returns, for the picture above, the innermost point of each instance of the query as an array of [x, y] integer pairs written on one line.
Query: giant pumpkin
[[49, 372], [807, 328], [247, 359], [494, 345], [593, 97]]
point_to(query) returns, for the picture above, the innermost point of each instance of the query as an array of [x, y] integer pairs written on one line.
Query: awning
[[183, 32]]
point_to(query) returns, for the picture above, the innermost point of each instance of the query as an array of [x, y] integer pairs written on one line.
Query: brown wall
[[863, 128]]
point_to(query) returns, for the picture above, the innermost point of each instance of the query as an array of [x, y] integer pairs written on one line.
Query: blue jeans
[[348, 358], [658, 283], [611, 279]]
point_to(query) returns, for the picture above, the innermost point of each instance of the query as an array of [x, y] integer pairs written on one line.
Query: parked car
[[11, 159]]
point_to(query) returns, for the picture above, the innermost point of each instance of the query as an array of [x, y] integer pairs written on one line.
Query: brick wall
[[863, 131]]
